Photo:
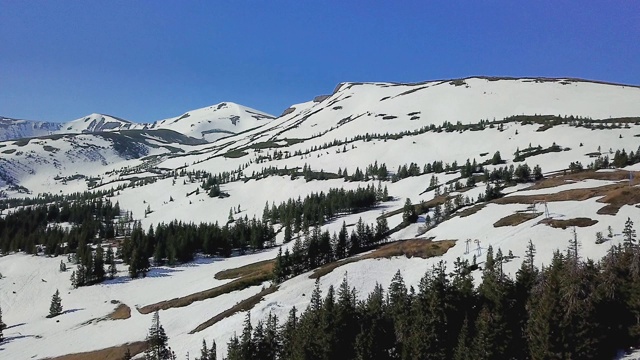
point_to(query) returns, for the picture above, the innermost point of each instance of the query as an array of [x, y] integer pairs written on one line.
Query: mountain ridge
[[208, 123]]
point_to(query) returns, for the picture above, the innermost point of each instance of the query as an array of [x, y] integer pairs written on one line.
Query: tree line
[[25, 228]]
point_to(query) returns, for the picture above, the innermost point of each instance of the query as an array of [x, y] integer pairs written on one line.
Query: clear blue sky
[[148, 60]]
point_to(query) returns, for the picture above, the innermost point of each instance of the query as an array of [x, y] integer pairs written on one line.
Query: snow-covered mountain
[[209, 123], [18, 129], [98, 123], [216, 121], [547, 122]]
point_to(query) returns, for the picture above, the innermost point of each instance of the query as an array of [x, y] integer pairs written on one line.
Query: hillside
[[17, 129], [447, 146], [215, 122]]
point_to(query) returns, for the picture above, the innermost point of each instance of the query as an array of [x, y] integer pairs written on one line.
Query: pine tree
[[111, 260], [2, 326], [98, 265], [204, 351], [56, 305], [409, 215], [63, 266], [212, 351], [74, 280], [279, 268], [127, 355], [246, 345], [463, 348], [157, 341], [629, 234]]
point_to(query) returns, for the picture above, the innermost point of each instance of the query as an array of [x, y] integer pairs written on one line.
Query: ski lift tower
[[546, 207], [479, 249]]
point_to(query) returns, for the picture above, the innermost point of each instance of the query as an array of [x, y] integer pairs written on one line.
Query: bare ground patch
[[410, 248], [472, 210], [563, 224], [616, 198], [614, 195], [111, 353], [265, 266], [235, 285], [516, 219], [120, 313], [244, 305], [584, 175]]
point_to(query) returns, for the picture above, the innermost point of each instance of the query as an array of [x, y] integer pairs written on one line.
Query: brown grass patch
[[438, 200], [615, 195], [516, 219], [471, 210], [235, 285], [616, 198], [120, 313], [410, 248], [244, 305], [584, 175], [111, 353], [563, 224], [265, 266]]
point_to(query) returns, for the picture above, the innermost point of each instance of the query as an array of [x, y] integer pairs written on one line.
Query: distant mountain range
[[209, 123]]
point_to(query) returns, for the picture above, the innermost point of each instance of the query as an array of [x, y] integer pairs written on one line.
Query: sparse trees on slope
[[207, 353]]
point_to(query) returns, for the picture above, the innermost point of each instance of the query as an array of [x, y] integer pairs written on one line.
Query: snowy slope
[[68, 163], [216, 121], [353, 109], [97, 123], [357, 108], [17, 129]]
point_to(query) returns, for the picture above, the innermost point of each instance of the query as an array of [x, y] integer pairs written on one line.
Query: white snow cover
[[25, 297]]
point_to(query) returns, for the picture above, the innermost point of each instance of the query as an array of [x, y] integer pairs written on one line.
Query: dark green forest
[[569, 309]]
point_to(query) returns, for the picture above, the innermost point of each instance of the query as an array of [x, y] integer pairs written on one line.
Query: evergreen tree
[[382, 227], [409, 215], [157, 341], [279, 268], [98, 265], [55, 308], [246, 344], [204, 351], [212, 351], [74, 279], [2, 326], [629, 234], [111, 260], [340, 247], [463, 348]]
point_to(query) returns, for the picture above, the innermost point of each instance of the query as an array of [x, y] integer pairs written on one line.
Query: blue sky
[[149, 60]]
